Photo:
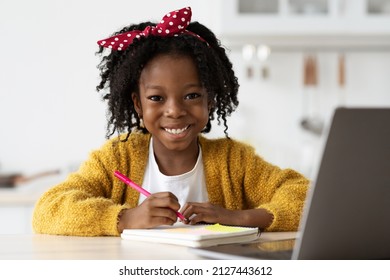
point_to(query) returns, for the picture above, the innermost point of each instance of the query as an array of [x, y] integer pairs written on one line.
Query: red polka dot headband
[[172, 24]]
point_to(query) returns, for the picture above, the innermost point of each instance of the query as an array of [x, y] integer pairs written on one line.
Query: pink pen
[[139, 189]]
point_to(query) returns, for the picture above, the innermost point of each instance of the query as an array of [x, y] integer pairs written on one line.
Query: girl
[[166, 83]]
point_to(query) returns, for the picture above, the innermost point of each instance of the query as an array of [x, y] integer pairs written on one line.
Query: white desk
[[47, 247]]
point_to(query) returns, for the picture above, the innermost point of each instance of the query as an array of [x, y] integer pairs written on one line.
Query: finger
[[157, 217], [163, 201], [165, 195], [204, 204], [148, 217], [184, 208], [202, 218], [193, 205], [193, 208], [158, 221]]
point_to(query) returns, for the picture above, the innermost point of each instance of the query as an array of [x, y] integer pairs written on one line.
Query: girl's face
[[172, 103]]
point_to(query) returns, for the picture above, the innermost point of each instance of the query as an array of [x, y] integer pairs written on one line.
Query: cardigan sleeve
[[87, 203], [282, 192], [238, 179]]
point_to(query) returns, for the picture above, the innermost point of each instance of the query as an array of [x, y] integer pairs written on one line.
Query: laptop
[[347, 212]]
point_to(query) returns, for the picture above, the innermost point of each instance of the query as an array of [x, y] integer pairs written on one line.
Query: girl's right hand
[[158, 209]]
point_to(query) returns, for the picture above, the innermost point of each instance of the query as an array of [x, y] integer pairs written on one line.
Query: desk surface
[[47, 247]]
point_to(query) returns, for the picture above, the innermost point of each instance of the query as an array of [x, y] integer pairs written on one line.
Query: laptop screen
[[347, 213]]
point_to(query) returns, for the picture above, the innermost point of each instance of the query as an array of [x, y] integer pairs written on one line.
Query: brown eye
[[155, 98], [192, 95]]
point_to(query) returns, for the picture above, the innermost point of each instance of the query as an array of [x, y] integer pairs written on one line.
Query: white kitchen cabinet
[[281, 23]]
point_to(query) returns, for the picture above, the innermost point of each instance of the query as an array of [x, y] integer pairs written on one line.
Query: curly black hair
[[120, 72]]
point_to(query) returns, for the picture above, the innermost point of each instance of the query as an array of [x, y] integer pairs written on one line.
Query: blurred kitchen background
[[296, 61]]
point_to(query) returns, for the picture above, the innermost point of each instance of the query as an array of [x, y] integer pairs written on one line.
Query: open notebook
[[193, 235]]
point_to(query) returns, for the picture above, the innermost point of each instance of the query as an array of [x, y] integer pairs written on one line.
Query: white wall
[[51, 116]]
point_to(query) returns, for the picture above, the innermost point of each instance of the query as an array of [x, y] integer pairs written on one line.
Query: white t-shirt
[[188, 187]]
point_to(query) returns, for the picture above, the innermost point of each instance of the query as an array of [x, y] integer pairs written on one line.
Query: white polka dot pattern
[[172, 23]]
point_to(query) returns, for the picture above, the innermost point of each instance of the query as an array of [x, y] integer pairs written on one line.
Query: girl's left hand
[[206, 212]]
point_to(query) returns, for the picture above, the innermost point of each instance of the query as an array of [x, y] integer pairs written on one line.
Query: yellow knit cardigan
[[88, 202]]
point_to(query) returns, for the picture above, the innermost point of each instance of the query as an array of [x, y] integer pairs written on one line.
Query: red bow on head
[[172, 24]]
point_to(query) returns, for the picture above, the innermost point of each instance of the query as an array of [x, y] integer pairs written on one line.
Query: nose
[[175, 108]]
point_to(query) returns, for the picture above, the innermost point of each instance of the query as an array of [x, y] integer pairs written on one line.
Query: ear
[[137, 103]]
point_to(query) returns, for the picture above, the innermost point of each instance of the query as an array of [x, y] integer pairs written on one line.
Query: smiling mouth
[[176, 131]]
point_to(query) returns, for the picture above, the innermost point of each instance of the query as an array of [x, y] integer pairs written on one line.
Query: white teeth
[[176, 131]]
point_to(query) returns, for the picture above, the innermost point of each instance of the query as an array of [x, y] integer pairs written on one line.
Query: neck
[[173, 163]]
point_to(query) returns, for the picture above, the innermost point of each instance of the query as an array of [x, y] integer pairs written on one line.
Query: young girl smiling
[[165, 85]]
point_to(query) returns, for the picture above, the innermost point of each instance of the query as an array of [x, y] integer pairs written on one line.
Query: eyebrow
[[188, 86]]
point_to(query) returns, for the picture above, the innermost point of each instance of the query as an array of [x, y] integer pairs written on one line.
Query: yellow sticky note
[[221, 228]]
